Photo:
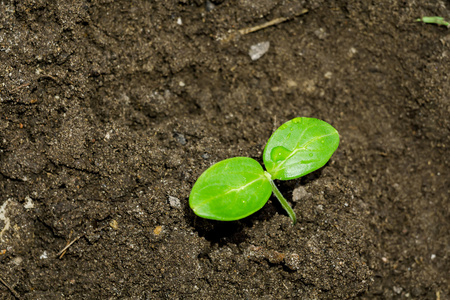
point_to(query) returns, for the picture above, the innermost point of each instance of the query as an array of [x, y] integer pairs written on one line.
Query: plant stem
[[283, 202]]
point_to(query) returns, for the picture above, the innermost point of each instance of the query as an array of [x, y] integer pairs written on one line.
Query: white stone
[[258, 50], [174, 202], [300, 194], [44, 255], [5, 219]]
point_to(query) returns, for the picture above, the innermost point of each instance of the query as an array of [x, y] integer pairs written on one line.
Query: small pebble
[[179, 137], [351, 52], [321, 33], [174, 202], [18, 260], [114, 224], [157, 230], [258, 50], [209, 6], [29, 204], [300, 194]]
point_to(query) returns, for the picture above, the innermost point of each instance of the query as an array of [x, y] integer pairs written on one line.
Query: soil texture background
[[110, 111]]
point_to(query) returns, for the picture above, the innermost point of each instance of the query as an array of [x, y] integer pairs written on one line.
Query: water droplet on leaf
[[279, 153]]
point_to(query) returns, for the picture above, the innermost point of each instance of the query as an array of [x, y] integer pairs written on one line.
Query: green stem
[[283, 202]]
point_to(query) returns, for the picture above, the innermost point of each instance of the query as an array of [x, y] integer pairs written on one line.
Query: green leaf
[[298, 147], [230, 190]]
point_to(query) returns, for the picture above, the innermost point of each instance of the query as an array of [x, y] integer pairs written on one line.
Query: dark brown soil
[[110, 110]]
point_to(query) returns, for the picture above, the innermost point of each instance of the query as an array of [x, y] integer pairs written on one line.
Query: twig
[[270, 23], [273, 22], [10, 289], [47, 76], [63, 251], [19, 87]]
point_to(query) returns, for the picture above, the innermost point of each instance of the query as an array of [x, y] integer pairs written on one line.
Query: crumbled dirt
[[110, 110]]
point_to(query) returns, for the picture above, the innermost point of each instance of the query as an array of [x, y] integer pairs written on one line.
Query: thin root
[[10, 289]]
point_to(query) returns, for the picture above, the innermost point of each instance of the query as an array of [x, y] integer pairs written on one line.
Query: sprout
[[235, 188]]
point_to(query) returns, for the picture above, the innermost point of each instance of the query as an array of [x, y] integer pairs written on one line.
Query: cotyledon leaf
[[230, 190], [298, 147]]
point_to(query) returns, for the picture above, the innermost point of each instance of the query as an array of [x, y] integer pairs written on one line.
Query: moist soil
[[110, 111]]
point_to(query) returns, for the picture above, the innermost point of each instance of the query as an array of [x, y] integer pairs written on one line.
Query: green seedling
[[237, 187], [434, 20]]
